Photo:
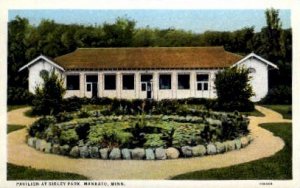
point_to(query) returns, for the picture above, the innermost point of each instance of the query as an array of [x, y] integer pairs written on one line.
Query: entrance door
[[146, 86], [91, 85], [94, 89], [149, 90]]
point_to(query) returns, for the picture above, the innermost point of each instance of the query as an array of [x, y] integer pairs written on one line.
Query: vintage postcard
[[115, 94]]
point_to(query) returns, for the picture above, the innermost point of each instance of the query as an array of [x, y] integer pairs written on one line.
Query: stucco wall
[[259, 82], [157, 93], [259, 78], [34, 79]]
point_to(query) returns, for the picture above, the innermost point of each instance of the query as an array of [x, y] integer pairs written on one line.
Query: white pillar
[[155, 85], [137, 87], [82, 84], [119, 85], [192, 84], [174, 84], [100, 84]]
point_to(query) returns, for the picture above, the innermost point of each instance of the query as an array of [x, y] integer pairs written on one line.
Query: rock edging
[[139, 153]]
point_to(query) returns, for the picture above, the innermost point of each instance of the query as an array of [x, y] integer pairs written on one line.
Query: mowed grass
[[11, 128], [276, 167], [14, 107], [285, 110], [15, 172], [253, 113]]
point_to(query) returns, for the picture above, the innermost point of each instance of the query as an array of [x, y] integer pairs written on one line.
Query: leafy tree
[[234, 90], [144, 37], [17, 30], [119, 34], [48, 97]]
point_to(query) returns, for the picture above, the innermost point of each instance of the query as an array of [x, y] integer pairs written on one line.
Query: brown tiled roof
[[148, 58]]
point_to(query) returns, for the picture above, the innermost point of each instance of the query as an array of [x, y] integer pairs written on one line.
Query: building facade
[[153, 73]]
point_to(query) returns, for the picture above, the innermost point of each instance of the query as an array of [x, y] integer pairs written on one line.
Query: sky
[[196, 21]]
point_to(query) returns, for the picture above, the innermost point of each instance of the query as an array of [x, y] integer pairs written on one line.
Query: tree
[[17, 30], [120, 33], [270, 42], [48, 97], [234, 90]]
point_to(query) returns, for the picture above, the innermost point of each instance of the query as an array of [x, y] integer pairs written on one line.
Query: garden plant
[[140, 129]]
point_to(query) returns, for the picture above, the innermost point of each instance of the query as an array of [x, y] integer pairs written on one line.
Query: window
[[146, 78], [89, 87], [128, 82], [252, 70], [110, 82], [144, 86], [184, 81], [44, 73], [73, 82], [92, 78], [165, 81], [202, 82]]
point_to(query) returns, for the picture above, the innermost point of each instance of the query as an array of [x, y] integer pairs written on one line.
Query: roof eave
[[258, 57], [44, 58]]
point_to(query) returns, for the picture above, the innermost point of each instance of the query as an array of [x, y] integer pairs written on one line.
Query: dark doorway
[[92, 81], [95, 89], [146, 85], [149, 90]]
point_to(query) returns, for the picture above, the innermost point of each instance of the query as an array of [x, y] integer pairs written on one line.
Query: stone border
[[139, 153]]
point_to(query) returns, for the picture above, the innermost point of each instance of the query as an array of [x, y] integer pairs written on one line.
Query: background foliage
[[26, 41]]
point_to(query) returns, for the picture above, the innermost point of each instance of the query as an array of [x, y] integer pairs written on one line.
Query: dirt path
[[17, 117], [265, 144]]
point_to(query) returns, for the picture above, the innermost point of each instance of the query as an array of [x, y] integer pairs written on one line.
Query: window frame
[[202, 83], [133, 84], [67, 88], [115, 85], [159, 82], [189, 82]]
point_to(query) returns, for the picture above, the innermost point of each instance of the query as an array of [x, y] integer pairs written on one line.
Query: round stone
[[172, 153]]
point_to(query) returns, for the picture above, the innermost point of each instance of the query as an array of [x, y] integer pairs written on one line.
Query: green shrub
[[279, 95], [71, 104], [234, 90], [63, 117], [38, 127], [69, 137], [154, 141], [82, 130], [18, 95], [108, 137], [52, 134], [83, 113], [186, 134], [168, 136], [48, 98]]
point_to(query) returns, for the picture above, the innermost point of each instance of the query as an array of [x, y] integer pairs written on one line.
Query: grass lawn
[[253, 113], [14, 107], [285, 110], [11, 128], [15, 172], [276, 167]]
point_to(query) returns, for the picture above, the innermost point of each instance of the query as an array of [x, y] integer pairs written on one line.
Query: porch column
[[82, 84], [137, 83], [119, 85], [155, 85], [174, 84], [192, 84], [100, 84]]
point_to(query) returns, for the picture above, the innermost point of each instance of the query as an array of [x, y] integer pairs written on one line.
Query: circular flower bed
[[93, 135]]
